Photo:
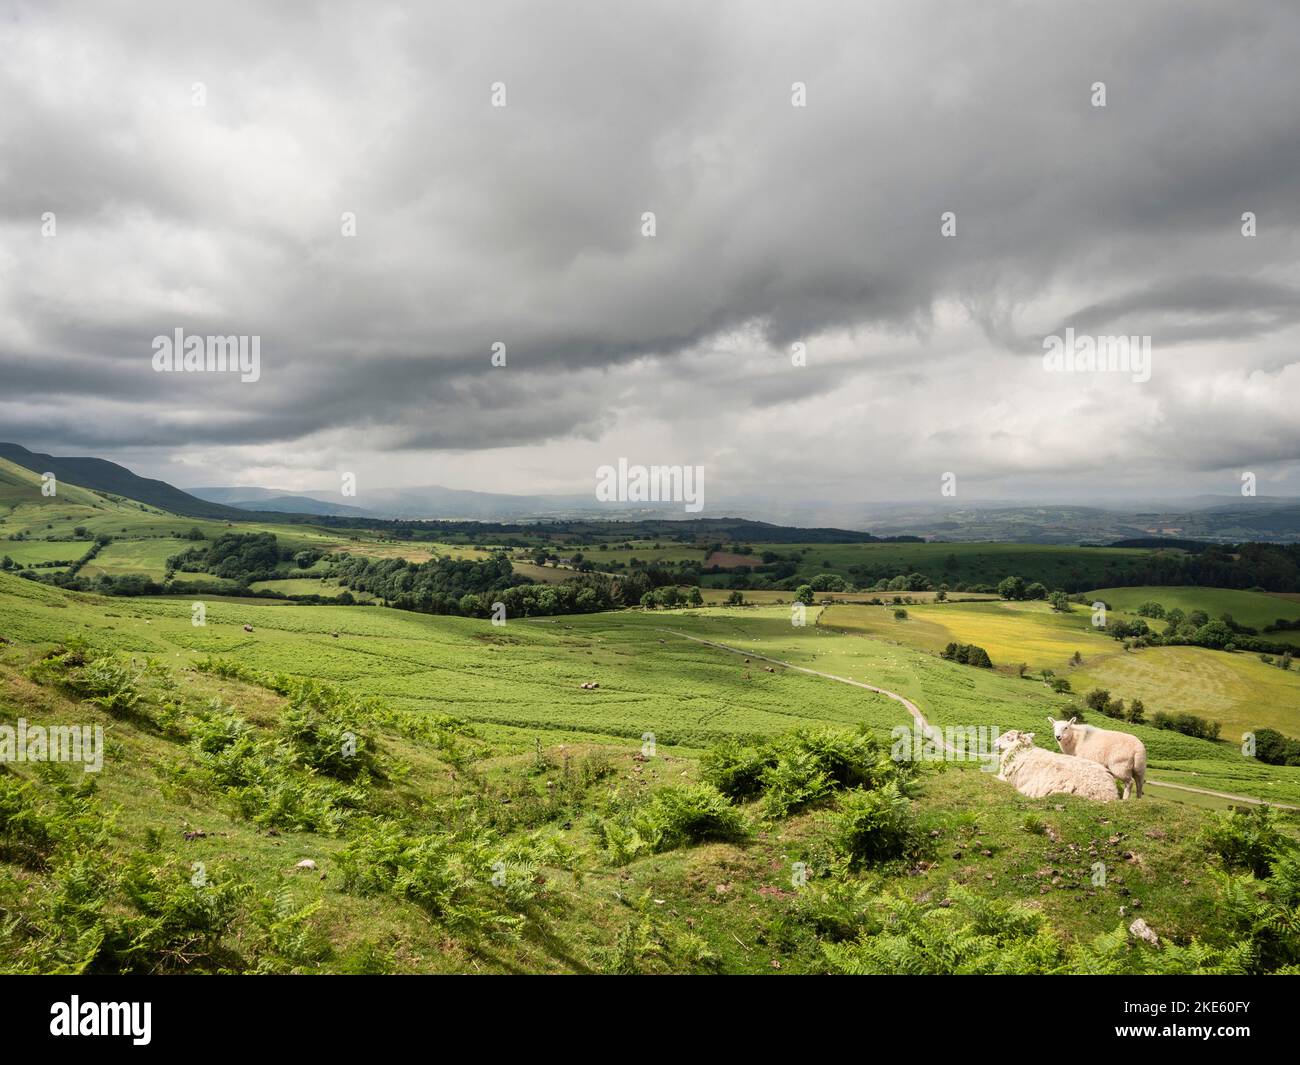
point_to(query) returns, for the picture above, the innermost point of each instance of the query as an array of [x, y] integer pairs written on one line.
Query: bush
[[1273, 748], [1187, 724], [736, 770], [870, 827], [683, 814], [1245, 840], [967, 654]]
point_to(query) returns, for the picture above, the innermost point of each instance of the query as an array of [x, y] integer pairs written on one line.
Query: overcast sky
[[776, 225]]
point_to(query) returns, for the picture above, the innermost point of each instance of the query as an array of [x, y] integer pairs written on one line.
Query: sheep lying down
[[1036, 772]]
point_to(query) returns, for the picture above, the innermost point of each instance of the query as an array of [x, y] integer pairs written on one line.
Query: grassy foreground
[[497, 817]]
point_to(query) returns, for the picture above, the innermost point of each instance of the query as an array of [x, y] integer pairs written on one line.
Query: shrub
[[870, 827], [1273, 748], [1187, 724], [682, 814], [1245, 840], [967, 654], [736, 770]]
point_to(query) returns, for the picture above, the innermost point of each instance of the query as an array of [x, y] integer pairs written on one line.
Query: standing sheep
[[1123, 755], [1037, 773]]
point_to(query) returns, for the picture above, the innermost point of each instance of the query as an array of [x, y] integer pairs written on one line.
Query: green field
[[528, 674], [490, 747], [531, 727], [1255, 609], [25, 552]]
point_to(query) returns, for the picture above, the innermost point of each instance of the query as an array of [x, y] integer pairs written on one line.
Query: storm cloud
[[776, 226]]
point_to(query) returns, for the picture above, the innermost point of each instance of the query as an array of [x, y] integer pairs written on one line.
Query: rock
[[306, 863], [248, 628], [1139, 929]]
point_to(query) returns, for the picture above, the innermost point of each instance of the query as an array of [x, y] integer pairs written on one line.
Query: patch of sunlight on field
[[27, 551], [1011, 633], [148, 557], [1237, 690]]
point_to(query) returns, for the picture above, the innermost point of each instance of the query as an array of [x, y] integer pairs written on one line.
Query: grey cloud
[[522, 224]]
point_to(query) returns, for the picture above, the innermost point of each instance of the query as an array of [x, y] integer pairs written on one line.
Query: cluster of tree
[[1276, 749], [1187, 724], [905, 582], [1099, 699], [670, 596], [473, 587], [1196, 629], [240, 557], [967, 654], [1282, 662], [1269, 567], [134, 584], [1016, 588]]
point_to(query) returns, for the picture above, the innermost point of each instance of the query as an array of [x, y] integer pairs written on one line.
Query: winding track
[[935, 734]]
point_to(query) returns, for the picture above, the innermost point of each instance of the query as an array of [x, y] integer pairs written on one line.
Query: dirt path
[[929, 731]]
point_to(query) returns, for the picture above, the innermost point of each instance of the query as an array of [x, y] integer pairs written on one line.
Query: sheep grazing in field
[[1037, 773], [1123, 755]]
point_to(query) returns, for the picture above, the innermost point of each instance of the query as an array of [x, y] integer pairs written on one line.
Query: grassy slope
[[1238, 690], [1255, 609], [522, 683]]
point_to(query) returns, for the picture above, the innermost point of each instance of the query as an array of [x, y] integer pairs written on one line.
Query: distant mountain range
[[1221, 519]]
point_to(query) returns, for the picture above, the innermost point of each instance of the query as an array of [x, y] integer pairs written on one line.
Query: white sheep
[[1036, 772], [1123, 755]]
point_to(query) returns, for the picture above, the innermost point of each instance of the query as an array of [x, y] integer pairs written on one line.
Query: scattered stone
[[1141, 930], [248, 628], [196, 834], [306, 863]]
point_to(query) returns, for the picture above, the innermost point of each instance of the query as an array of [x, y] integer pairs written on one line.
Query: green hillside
[[502, 818], [103, 476]]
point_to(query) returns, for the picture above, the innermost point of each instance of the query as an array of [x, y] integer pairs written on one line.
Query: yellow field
[[1010, 632], [1237, 690]]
